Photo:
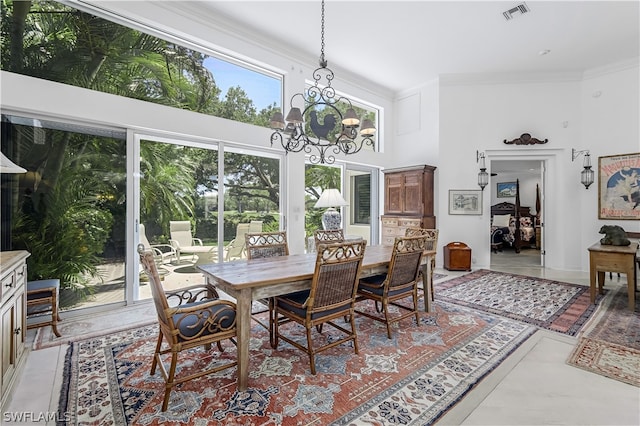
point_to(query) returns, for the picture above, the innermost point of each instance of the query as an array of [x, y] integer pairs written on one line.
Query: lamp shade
[[8, 166], [331, 198]]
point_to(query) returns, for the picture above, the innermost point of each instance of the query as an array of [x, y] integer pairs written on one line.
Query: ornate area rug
[[607, 359], [552, 305], [411, 379], [611, 347]]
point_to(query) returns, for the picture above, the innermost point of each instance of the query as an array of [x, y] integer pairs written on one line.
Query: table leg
[[243, 317], [631, 285], [426, 283], [601, 276], [592, 281]]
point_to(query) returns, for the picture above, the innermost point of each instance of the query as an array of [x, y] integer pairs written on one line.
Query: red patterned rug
[[611, 347], [548, 304], [413, 378]]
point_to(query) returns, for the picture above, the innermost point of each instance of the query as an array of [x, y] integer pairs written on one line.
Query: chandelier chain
[[323, 62]]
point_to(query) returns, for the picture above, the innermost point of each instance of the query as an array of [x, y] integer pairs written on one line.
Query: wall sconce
[[483, 176], [586, 175]]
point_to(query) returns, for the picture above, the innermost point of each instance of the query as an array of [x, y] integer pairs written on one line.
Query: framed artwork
[[619, 187], [506, 189], [465, 201]]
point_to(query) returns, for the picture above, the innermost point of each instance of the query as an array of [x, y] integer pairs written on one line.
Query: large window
[[52, 41], [69, 209]]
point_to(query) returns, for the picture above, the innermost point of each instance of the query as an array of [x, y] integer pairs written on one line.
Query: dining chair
[[190, 317], [261, 245], [399, 282], [332, 296], [328, 236], [431, 243]]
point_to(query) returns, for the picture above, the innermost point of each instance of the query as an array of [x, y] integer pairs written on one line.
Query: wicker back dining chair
[[431, 243], [332, 296], [260, 245], [190, 317], [266, 244], [328, 236], [399, 282]]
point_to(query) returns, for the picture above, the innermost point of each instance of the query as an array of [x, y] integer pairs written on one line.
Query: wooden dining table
[[249, 280]]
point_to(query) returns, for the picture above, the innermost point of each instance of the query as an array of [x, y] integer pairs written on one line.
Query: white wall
[[479, 115]]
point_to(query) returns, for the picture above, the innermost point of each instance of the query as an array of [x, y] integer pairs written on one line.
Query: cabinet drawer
[[8, 286], [21, 275], [409, 223], [389, 232], [389, 221], [388, 241]]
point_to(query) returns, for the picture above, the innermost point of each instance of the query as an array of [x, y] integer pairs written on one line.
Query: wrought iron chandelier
[[322, 99]]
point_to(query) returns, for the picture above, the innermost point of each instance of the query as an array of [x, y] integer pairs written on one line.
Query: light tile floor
[[534, 386]]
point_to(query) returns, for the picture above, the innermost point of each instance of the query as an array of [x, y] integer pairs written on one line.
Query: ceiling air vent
[[522, 8]]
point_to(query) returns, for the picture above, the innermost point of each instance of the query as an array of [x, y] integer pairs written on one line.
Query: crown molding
[[612, 68]]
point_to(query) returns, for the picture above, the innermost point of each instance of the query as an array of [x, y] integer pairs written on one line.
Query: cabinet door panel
[[6, 334], [394, 194]]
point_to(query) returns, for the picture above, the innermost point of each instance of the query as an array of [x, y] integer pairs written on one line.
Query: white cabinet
[[13, 304]]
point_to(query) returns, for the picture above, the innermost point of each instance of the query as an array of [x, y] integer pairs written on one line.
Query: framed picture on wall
[[506, 189], [619, 187], [465, 201]]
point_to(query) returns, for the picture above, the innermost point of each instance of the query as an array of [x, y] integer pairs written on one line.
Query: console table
[[608, 258]]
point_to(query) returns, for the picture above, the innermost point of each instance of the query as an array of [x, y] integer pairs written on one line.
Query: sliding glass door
[[69, 209], [196, 202]]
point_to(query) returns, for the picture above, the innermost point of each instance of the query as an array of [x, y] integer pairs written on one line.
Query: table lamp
[[8, 166], [331, 198]]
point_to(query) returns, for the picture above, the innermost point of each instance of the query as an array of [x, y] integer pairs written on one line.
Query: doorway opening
[[529, 176]]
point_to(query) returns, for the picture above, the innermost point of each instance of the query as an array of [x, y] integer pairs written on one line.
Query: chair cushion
[[186, 322], [299, 298], [44, 285], [371, 285]]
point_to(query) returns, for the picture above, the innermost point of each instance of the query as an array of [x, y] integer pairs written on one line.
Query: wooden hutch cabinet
[[408, 201], [13, 308]]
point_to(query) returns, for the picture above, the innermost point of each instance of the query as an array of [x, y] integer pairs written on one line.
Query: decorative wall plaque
[[525, 139]]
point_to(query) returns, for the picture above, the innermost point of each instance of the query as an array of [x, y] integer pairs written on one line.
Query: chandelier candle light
[[323, 137], [331, 218]]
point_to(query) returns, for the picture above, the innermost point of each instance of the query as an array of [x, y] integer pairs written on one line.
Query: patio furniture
[[42, 299], [162, 253], [399, 282], [332, 296], [236, 247], [182, 241], [188, 318]]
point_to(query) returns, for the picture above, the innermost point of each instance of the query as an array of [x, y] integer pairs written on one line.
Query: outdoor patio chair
[[189, 317], [183, 241], [236, 249], [260, 245], [162, 253], [332, 296], [399, 282], [431, 243], [255, 226]]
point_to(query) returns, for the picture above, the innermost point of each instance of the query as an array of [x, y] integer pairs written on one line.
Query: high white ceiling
[[400, 45]]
